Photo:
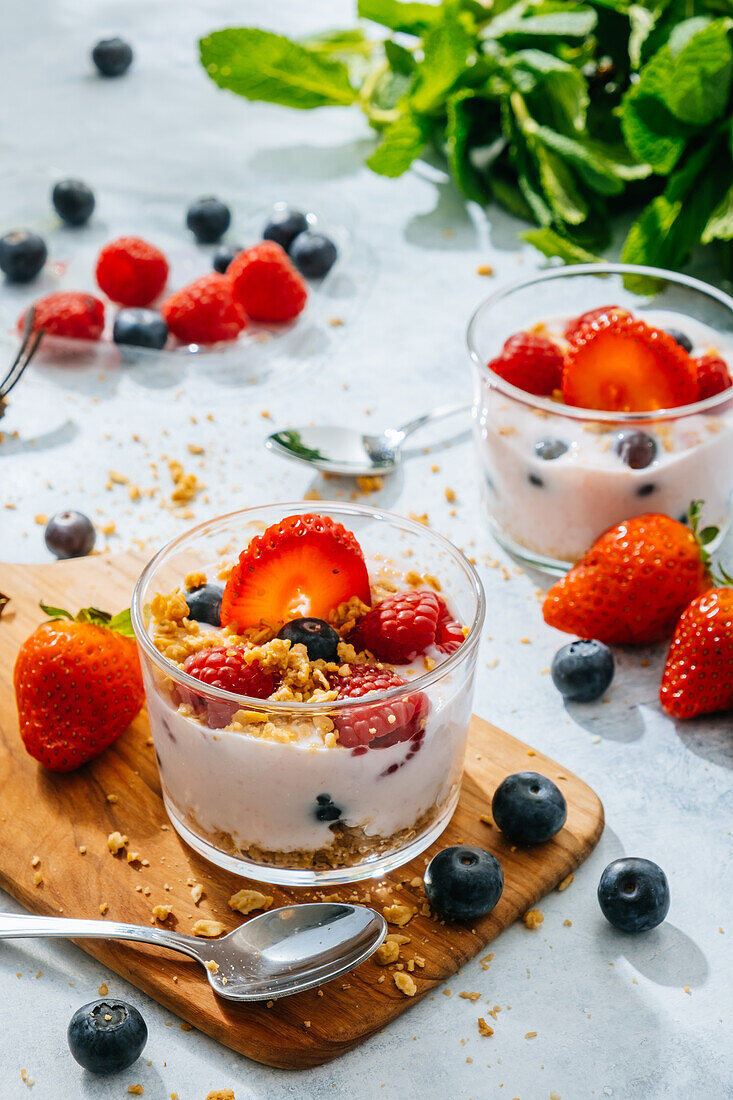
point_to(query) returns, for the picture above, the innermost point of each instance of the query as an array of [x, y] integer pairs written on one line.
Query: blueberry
[[680, 338], [581, 671], [112, 56], [208, 219], [204, 604], [313, 254], [633, 894], [22, 255], [325, 809], [645, 490], [107, 1036], [73, 201], [535, 479], [549, 449], [528, 808], [637, 449], [224, 255], [284, 226], [463, 883], [70, 535], [141, 328], [320, 639]]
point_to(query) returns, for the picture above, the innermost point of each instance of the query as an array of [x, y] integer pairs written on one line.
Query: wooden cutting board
[[53, 816]]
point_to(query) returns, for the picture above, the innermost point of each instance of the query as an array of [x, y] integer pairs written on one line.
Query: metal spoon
[[338, 450], [276, 954]]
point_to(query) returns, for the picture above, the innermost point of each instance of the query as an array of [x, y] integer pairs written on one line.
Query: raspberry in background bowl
[[556, 475], [350, 767]]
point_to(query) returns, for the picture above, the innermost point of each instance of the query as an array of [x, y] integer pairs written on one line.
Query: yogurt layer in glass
[[553, 477], [265, 787]]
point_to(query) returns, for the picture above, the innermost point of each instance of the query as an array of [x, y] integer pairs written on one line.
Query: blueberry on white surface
[[73, 201], [22, 255], [463, 883], [550, 449], [224, 255], [112, 56], [582, 670], [284, 226], [107, 1036], [204, 604], [318, 637], [313, 254], [70, 534], [680, 338], [208, 218], [633, 894], [636, 449], [140, 328], [528, 808]]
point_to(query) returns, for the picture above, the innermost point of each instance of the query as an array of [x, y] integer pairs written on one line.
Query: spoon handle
[[19, 926], [441, 413]]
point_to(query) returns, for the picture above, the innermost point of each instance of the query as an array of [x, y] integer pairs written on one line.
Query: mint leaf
[[700, 70], [410, 18], [509, 196], [720, 223], [403, 141], [651, 131], [458, 145], [560, 188], [558, 23], [269, 67], [594, 161], [400, 60], [552, 244], [447, 48], [557, 90]]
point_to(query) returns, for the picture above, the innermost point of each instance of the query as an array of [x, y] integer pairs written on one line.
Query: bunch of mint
[[564, 112]]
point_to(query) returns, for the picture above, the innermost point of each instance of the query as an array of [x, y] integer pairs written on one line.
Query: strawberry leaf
[[121, 623], [55, 612]]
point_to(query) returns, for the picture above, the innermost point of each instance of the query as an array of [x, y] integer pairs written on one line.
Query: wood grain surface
[[53, 816]]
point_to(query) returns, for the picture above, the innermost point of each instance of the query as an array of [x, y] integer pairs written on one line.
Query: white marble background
[[611, 1014]]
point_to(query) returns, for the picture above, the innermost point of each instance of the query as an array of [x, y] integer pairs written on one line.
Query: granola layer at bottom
[[350, 845]]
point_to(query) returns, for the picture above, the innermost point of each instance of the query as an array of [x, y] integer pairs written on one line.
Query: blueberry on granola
[[320, 639], [107, 1036], [204, 604], [463, 883]]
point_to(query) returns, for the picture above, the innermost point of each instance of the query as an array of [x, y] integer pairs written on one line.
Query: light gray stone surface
[[611, 1013]]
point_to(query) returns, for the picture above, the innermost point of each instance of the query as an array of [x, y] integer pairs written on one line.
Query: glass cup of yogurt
[[308, 786], [556, 476]]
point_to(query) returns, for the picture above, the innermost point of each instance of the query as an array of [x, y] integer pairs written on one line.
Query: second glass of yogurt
[[554, 476]]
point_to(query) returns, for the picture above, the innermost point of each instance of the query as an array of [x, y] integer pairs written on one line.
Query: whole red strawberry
[[302, 566], [267, 284], [633, 583], [77, 686], [698, 676], [530, 362], [713, 375], [381, 723], [131, 271], [225, 667], [68, 313], [399, 628], [204, 312]]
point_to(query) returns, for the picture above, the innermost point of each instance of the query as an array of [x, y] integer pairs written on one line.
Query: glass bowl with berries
[[601, 392], [309, 679]]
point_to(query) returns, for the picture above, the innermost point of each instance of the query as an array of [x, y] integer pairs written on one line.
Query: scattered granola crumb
[[38, 879], [450, 494], [405, 983], [115, 842], [306, 1023], [112, 798], [210, 928], [103, 990], [212, 966], [41, 519], [221, 1094], [162, 912], [530, 1035], [688, 990], [136, 1090], [533, 918], [398, 914], [568, 923], [566, 882], [416, 882], [483, 1027], [185, 1026], [83, 850], [195, 449], [103, 908], [197, 892], [387, 953], [469, 996], [35, 861], [246, 901], [484, 269], [370, 484]]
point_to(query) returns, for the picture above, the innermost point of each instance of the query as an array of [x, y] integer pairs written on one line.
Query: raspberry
[[266, 283], [131, 272], [68, 313], [381, 723], [530, 362], [227, 668], [399, 628], [204, 312], [575, 327], [713, 375], [449, 633]]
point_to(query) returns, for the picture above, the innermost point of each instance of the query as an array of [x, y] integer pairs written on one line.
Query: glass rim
[[575, 412], [278, 706]]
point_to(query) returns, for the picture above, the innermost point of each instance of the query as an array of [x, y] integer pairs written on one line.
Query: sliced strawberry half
[[620, 364], [382, 723], [448, 633], [303, 566]]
